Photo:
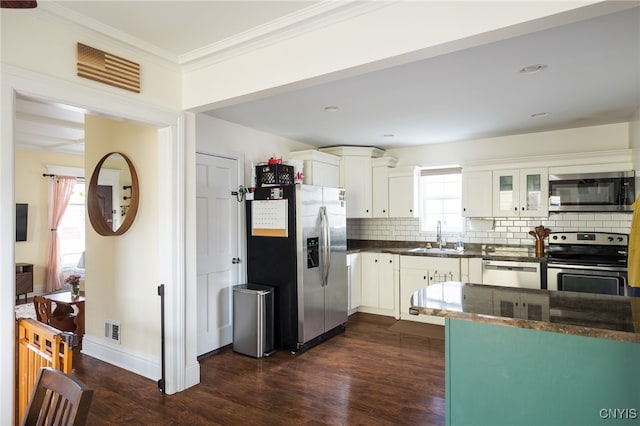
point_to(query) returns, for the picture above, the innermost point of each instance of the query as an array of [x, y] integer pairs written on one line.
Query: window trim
[[453, 170]]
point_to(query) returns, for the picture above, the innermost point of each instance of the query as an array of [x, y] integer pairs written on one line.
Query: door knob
[[235, 260]]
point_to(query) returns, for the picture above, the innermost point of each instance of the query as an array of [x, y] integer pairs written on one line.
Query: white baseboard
[[142, 365], [378, 311], [192, 375]]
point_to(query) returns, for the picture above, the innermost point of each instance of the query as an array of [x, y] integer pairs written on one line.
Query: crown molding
[[322, 14], [80, 20]]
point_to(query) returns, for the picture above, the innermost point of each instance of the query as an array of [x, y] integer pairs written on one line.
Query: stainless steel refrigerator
[[296, 243]]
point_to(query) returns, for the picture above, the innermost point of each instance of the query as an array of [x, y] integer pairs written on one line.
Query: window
[[441, 200], [71, 231]]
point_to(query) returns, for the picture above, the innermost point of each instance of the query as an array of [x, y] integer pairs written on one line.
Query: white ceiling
[[592, 77]]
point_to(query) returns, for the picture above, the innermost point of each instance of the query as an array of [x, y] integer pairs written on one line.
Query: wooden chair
[[61, 319], [58, 399]]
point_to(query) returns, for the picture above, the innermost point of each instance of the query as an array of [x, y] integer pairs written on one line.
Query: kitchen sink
[[433, 250]]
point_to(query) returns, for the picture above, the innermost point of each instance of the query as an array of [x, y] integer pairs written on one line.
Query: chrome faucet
[[439, 234]]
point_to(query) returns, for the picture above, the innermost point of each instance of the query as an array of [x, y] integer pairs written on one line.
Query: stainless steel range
[[588, 262]]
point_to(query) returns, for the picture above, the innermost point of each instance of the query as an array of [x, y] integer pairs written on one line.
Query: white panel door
[[217, 246]]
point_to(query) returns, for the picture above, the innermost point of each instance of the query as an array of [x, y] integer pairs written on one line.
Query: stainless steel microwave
[[592, 192]]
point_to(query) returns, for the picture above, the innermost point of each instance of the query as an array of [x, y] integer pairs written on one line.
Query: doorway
[[170, 268], [48, 142]]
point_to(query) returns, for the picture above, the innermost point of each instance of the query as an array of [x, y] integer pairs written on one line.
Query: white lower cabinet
[[383, 283], [354, 274], [379, 284], [471, 270], [417, 272]]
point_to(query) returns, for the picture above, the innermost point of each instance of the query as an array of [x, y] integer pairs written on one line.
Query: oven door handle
[[586, 267]]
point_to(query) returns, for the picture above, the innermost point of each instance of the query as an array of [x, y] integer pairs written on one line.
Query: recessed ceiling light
[[331, 108], [532, 69], [388, 135], [539, 114]]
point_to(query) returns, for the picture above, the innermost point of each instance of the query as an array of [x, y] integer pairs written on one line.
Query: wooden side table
[[67, 299], [24, 279]]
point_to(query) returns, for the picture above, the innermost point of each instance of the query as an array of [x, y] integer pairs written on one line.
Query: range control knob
[[610, 238], [564, 237], [620, 239], [555, 237]]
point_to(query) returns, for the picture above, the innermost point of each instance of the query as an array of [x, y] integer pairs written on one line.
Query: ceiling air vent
[[112, 331]]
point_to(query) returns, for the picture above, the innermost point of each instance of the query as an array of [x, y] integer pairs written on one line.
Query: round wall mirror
[[112, 197]]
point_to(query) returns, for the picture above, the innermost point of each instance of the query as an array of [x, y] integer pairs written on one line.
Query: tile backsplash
[[509, 231]]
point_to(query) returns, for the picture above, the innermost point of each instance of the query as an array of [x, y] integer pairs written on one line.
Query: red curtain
[[60, 189]]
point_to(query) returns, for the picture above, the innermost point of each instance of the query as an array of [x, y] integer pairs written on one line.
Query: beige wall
[[578, 140], [121, 278], [32, 188], [35, 40], [215, 136]]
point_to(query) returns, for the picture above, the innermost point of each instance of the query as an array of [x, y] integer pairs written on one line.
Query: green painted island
[[537, 357]]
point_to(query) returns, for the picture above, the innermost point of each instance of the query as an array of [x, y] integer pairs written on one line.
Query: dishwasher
[[508, 273]]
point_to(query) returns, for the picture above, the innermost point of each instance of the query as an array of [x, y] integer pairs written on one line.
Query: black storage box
[[274, 175]]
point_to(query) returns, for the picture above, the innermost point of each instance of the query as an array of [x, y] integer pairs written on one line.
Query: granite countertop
[[582, 314], [521, 254]]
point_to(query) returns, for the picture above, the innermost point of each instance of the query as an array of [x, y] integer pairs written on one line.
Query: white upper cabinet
[[521, 193], [477, 194], [320, 168], [403, 192], [380, 179], [356, 178], [534, 193]]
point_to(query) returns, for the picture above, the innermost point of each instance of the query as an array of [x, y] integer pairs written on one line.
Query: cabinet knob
[[464, 209], [410, 210], [424, 277], [523, 209], [390, 261], [515, 208], [376, 260]]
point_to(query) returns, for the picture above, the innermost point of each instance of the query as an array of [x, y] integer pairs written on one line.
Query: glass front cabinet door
[[521, 193]]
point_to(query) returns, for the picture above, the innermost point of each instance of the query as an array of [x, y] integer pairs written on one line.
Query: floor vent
[[112, 331]]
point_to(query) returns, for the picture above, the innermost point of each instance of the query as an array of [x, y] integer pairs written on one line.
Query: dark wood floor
[[370, 375]]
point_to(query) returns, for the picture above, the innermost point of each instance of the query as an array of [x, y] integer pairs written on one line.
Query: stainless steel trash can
[[253, 320]]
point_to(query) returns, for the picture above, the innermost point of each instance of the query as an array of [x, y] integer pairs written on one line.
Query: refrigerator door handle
[[326, 244]]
